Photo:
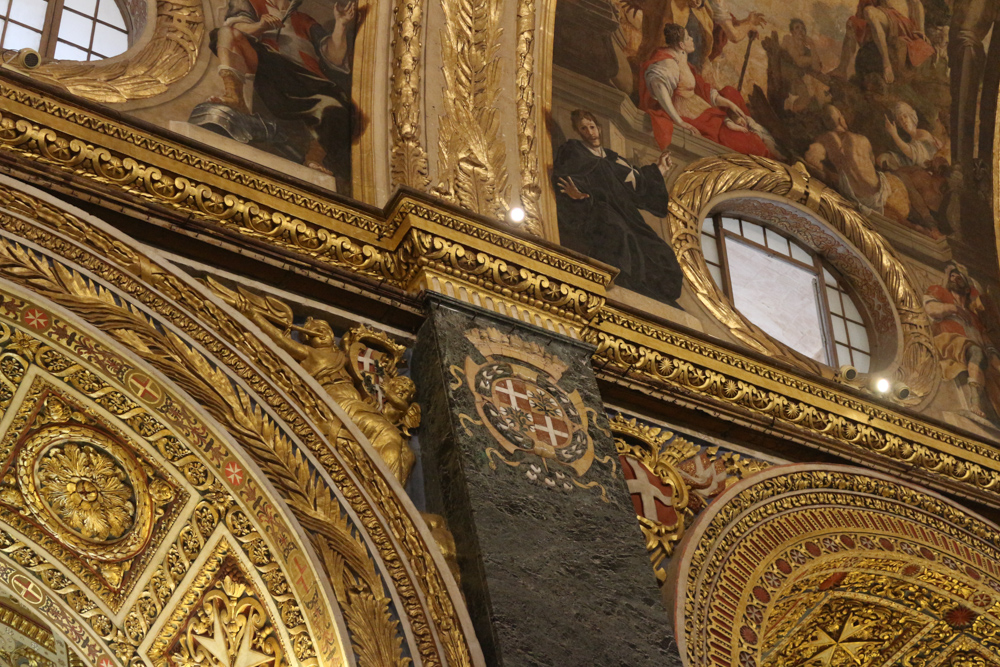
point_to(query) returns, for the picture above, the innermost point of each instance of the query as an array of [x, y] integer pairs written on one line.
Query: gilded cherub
[[387, 428]]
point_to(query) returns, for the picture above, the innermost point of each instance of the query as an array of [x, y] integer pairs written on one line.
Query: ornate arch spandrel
[[797, 559], [318, 462], [705, 182]]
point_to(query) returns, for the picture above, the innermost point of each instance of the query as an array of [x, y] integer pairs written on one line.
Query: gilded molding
[[408, 162], [704, 181], [422, 591], [527, 147], [165, 59], [472, 159]]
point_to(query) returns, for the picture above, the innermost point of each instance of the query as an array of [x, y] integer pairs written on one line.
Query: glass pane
[[717, 276], [108, 41], [4, 4], [109, 12], [801, 254], [839, 330], [29, 12], [21, 38], [75, 29], [828, 277], [833, 297], [859, 337], [710, 249], [731, 225], [753, 232], [862, 362], [708, 226], [851, 310], [84, 6], [776, 242], [843, 355], [791, 314], [66, 52]]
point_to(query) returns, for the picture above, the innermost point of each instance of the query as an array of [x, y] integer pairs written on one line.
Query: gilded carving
[[359, 373], [804, 568], [527, 146], [408, 163], [707, 179], [472, 160], [20, 623], [168, 56]]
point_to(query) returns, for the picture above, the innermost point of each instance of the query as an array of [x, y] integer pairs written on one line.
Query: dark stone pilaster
[[553, 573]]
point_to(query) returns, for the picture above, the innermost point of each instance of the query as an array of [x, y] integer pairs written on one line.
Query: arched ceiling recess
[[831, 565], [168, 476]]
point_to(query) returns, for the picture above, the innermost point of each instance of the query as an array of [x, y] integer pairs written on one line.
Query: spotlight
[[516, 214], [900, 391], [882, 385], [848, 373]]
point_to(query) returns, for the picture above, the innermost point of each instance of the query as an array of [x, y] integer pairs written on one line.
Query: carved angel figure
[[388, 427]]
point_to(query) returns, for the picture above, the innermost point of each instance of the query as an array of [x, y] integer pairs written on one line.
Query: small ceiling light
[[516, 214], [882, 385]]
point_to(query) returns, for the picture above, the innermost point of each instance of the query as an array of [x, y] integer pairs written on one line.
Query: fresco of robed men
[[882, 100], [283, 81]]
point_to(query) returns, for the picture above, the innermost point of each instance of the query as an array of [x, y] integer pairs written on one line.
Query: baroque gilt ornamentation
[[165, 59], [432, 607], [408, 162], [472, 160], [705, 181], [671, 480], [359, 373], [527, 147], [831, 565]]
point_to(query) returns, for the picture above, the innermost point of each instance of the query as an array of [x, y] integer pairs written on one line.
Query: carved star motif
[[842, 648], [218, 646]]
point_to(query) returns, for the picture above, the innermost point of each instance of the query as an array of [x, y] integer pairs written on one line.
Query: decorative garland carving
[[472, 160], [408, 163], [302, 488], [707, 179], [531, 190], [167, 58]]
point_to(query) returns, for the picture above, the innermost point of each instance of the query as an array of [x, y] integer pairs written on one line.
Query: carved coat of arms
[[534, 420]]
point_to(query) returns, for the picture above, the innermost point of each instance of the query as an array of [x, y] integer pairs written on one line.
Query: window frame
[[817, 267], [50, 29]]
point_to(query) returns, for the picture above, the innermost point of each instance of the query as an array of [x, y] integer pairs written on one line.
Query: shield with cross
[[528, 412], [374, 359]]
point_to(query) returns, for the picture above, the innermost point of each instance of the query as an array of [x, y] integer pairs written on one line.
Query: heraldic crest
[[535, 421]]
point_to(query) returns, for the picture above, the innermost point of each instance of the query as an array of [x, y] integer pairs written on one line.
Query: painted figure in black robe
[[599, 195]]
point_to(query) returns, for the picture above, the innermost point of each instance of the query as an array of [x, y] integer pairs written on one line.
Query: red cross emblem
[[105, 661], [27, 589], [367, 363], [144, 387], [651, 498], [546, 418], [235, 473], [297, 565], [36, 318]]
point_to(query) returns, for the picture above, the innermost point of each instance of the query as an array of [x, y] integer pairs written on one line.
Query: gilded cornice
[[416, 244]]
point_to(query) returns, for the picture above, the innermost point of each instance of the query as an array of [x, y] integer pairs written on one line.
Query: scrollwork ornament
[[409, 157], [708, 179]]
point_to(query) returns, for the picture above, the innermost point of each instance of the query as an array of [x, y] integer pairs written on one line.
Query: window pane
[[75, 29], [4, 4], [708, 226], [801, 254], [851, 310], [828, 277], [109, 12], [717, 276], [21, 38], [843, 355], [29, 12], [753, 232], [859, 337], [839, 330], [66, 52], [710, 249], [731, 225], [776, 242], [108, 41], [791, 315], [862, 362], [83, 6], [833, 297]]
